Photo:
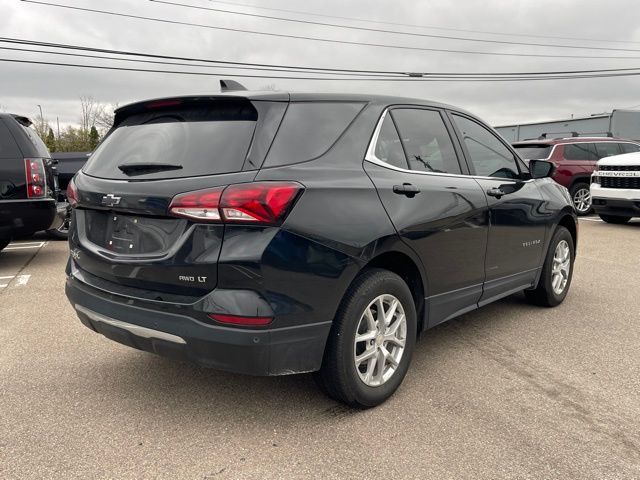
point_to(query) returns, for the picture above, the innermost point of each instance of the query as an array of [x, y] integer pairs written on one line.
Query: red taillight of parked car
[[72, 193], [258, 203], [36, 177], [240, 320]]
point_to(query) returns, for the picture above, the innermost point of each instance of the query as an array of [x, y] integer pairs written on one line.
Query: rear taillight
[[72, 193], [36, 177], [259, 202]]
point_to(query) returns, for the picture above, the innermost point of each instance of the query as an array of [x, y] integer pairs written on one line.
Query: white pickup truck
[[615, 188]]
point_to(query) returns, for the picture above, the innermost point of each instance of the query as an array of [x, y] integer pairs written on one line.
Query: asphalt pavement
[[508, 391]]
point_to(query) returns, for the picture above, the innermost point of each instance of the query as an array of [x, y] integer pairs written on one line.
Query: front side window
[[426, 140], [388, 147], [580, 151], [607, 149], [488, 155]]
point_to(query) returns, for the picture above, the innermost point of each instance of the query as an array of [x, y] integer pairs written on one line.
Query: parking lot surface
[[508, 391]]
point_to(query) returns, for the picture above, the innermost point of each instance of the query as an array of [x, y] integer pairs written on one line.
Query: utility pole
[[58, 122], [41, 115]]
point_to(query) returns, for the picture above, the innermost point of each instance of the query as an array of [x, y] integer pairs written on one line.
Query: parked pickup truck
[[28, 187]]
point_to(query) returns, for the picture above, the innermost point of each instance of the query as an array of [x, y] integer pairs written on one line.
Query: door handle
[[496, 192], [406, 189]]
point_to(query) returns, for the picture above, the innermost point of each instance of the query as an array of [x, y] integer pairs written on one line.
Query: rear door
[[516, 210], [439, 212], [155, 151]]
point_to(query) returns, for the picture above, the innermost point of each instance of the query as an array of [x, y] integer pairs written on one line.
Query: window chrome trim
[[371, 158]]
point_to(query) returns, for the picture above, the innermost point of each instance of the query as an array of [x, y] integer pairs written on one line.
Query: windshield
[[533, 152]]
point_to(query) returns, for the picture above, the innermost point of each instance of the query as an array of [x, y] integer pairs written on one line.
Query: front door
[[517, 220], [436, 209]]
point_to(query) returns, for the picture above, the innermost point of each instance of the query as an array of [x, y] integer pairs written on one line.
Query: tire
[[615, 219], [581, 198], [4, 242], [339, 376], [545, 294]]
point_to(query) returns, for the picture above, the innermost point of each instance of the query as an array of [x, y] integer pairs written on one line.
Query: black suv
[[274, 233], [27, 182]]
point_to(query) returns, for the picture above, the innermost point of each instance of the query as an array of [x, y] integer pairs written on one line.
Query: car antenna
[[230, 85]]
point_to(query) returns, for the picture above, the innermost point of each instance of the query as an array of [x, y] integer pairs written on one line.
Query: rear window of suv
[[184, 142], [533, 152]]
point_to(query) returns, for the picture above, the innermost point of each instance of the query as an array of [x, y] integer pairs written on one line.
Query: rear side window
[[426, 140], [36, 141], [489, 156], [629, 147], [309, 129], [195, 141], [533, 152], [8, 146], [607, 149], [580, 151], [388, 147]]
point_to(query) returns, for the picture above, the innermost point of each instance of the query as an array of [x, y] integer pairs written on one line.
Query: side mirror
[[541, 168]]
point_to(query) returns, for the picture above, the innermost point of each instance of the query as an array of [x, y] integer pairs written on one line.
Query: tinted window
[[488, 155], [36, 141], [629, 147], [388, 147], [533, 152], [607, 149], [580, 151], [309, 129], [8, 146], [200, 148], [426, 140]]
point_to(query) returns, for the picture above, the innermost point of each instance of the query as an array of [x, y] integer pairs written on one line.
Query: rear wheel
[[4, 242], [557, 271], [615, 219], [371, 341], [581, 196]]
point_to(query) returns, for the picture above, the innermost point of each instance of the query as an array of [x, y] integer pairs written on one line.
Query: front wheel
[[557, 271], [581, 196], [615, 219], [371, 341]]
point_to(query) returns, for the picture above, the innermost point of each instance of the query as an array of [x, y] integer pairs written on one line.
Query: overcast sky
[[57, 89]]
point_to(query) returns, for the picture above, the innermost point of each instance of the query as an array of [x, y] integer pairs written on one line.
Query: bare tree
[[104, 118]]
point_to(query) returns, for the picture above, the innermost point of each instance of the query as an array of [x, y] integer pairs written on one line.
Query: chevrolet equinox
[[275, 233]]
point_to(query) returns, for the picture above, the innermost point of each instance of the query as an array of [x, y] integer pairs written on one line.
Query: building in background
[[618, 123]]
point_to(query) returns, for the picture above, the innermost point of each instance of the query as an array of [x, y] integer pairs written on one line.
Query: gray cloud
[[57, 89]]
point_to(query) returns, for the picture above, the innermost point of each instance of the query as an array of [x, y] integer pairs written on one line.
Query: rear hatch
[[155, 151]]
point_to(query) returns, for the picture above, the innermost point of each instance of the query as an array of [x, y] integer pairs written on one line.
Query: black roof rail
[[230, 85]]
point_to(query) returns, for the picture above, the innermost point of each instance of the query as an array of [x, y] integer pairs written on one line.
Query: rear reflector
[[238, 320], [260, 202], [36, 182]]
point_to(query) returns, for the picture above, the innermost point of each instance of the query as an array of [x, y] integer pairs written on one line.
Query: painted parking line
[[14, 280], [24, 245], [591, 219]]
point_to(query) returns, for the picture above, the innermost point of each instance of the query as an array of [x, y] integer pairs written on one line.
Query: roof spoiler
[[24, 121], [230, 85], [576, 134]]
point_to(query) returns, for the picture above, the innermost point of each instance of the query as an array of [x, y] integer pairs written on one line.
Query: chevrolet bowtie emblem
[[111, 200]]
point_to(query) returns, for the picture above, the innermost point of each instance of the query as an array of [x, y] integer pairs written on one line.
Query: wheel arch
[[568, 221]]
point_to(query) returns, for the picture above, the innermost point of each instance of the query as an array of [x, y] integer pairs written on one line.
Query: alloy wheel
[[560, 267], [582, 200], [380, 340]]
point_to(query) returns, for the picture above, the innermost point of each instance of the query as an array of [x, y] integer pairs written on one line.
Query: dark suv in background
[[575, 159], [27, 182], [275, 233]]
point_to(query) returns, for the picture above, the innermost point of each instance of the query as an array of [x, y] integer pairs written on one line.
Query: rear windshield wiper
[[142, 168]]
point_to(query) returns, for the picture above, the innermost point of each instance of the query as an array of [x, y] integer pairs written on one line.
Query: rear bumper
[[26, 217], [277, 351], [615, 201]]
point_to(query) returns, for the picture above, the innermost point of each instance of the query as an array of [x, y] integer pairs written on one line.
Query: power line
[[425, 27], [433, 78], [395, 32], [272, 67], [317, 39]]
